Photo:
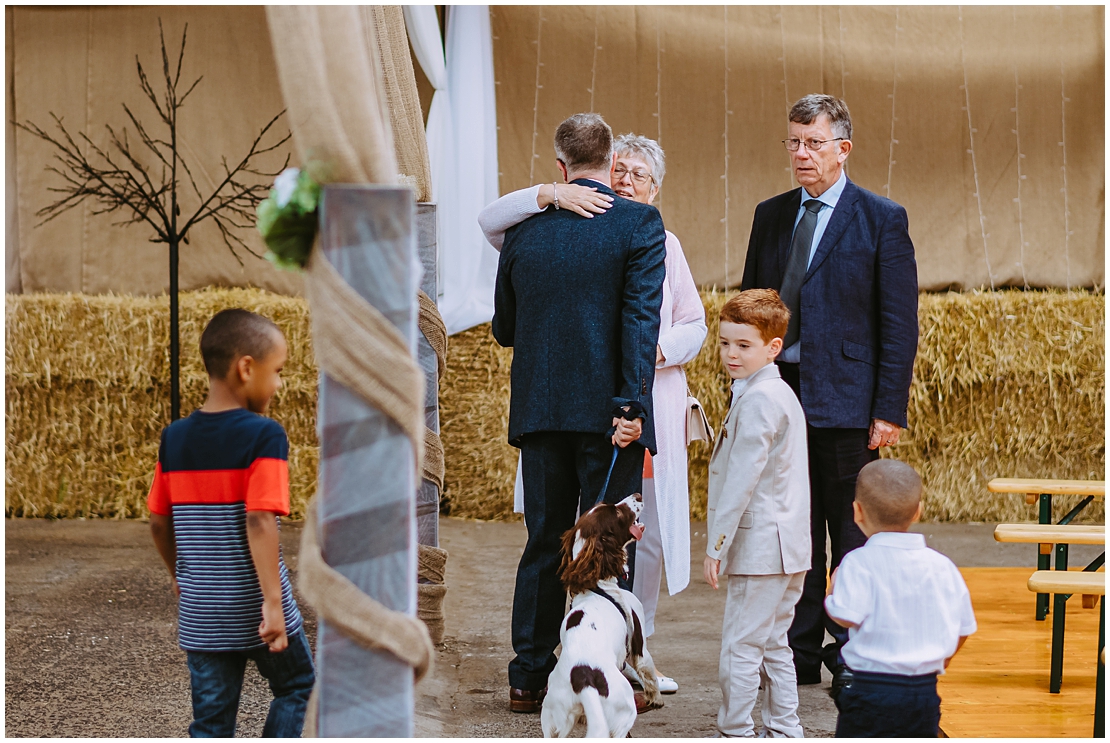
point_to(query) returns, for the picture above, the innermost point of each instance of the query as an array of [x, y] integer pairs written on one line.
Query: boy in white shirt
[[906, 607], [759, 530]]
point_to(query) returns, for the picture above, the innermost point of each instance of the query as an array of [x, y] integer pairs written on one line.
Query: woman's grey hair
[[807, 109], [648, 149]]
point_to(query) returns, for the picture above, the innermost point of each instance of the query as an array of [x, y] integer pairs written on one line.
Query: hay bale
[[87, 381], [474, 424], [1006, 384]]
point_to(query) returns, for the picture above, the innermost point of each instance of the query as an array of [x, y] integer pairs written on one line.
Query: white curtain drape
[[462, 147]]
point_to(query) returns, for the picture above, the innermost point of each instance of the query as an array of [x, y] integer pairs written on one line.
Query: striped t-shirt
[[212, 469]]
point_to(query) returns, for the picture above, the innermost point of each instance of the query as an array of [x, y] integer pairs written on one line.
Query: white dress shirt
[[828, 201], [910, 603]]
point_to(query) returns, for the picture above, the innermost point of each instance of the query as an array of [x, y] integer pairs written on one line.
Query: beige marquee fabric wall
[[671, 73], [1002, 193], [79, 63]]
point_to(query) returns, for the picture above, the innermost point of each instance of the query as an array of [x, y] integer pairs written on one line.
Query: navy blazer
[[858, 305], [578, 300]]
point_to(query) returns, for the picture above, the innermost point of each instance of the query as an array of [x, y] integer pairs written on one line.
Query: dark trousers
[[217, 681], [883, 705], [836, 455], [562, 473]]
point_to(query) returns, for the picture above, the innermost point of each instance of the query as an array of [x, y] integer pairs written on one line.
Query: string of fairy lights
[[972, 131], [724, 176], [1020, 176], [893, 108], [536, 103], [1064, 149]]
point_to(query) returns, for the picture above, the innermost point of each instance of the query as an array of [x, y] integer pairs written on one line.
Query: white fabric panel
[[462, 147], [469, 262], [423, 29]]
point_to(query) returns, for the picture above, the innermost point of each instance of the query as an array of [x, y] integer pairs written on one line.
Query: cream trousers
[[649, 558], [754, 649]]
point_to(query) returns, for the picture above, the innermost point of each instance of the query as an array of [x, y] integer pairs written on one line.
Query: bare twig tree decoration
[[141, 181]]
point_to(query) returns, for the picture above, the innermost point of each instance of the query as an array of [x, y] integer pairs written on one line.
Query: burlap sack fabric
[[403, 103], [328, 58], [431, 562]]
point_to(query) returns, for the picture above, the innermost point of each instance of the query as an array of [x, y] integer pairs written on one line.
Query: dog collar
[[611, 600]]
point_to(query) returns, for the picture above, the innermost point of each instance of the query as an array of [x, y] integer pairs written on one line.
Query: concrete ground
[[91, 650]]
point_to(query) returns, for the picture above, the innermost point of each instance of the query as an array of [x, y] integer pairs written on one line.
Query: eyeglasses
[[813, 145], [638, 176]]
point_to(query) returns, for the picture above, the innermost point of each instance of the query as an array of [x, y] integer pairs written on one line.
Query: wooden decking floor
[[997, 686]]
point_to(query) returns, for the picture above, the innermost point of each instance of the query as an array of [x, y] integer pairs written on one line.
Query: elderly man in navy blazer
[[842, 261], [578, 300]]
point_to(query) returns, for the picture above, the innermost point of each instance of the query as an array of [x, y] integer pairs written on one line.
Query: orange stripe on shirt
[[268, 486], [264, 486], [158, 500], [206, 486], [649, 471]]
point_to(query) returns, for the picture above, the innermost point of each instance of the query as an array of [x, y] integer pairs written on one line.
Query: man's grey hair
[[584, 142], [648, 149], [807, 109]]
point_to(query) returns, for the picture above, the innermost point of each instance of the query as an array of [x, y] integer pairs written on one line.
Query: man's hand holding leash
[[627, 431]]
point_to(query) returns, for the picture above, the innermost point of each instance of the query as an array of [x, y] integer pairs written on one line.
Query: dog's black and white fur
[[602, 630]]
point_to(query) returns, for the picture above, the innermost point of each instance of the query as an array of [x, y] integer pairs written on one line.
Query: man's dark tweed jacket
[[859, 305], [578, 300]]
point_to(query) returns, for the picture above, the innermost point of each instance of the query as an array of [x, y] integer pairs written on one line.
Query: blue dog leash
[[608, 475], [631, 414]]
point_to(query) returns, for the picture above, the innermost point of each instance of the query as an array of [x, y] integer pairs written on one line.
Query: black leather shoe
[[525, 701], [842, 679]]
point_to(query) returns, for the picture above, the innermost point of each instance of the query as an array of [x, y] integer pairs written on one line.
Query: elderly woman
[[638, 175]]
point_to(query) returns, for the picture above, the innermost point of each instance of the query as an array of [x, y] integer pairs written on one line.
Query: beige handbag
[[697, 424]]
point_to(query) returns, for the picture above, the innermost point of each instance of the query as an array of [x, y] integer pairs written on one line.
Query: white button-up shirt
[[910, 603], [828, 200]]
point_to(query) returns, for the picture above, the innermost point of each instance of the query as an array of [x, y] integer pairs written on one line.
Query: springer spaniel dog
[[602, 630]]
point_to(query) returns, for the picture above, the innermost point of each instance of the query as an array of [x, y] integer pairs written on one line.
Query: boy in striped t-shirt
[[220, 486]]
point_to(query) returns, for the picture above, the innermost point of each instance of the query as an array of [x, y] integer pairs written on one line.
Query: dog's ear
[[583, 562]]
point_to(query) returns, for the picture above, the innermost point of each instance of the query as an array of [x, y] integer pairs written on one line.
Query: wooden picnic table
[[1040, 490]]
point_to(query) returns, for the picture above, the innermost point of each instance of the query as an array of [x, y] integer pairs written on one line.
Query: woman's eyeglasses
[[638, 176]]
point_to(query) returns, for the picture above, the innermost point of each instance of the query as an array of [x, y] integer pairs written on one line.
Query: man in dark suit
[[578, 300], [842, 260]]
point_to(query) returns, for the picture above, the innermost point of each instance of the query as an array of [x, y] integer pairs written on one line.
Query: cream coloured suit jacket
[[759, 482]]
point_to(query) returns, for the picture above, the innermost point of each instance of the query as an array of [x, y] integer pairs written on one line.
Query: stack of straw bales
[[1007, 384], [87, 383]]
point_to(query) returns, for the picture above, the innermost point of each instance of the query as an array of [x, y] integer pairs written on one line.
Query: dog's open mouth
[[635, 504]]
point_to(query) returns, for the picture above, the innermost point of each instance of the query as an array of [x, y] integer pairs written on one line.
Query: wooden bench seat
[[1062, 584], [1068, 581], [1051, 533]]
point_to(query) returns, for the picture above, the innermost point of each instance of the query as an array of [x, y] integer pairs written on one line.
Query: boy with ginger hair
[[759, 530], [220, 486]]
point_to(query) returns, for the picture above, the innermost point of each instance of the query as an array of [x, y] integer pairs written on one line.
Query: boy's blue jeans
[[217, 681]]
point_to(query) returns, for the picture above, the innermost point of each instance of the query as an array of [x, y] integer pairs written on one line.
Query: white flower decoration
[[284, 186]]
